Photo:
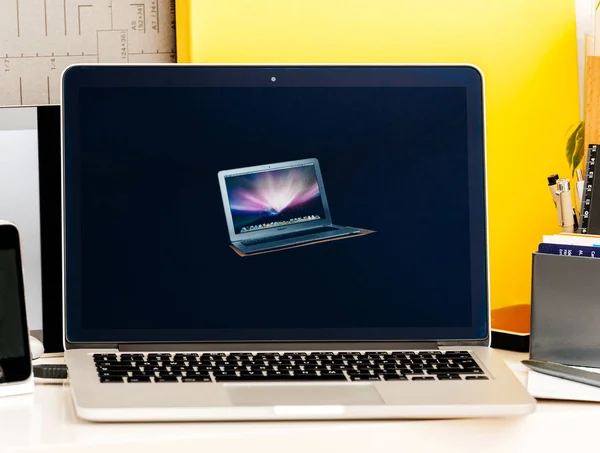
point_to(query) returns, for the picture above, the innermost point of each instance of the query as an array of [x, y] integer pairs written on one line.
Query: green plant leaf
[[579, 150], [572, 142]]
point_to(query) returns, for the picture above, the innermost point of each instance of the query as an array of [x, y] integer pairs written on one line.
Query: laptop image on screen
[[164, 321], [277, 205]]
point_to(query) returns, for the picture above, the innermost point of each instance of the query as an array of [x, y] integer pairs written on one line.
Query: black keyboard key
[[138, 379], [423, 378], [449, 377], [197, 374], [211, 357], [332, 377], [259, 368], [220, 374], [315, 367], [113, 374], [311, 362], [139, 373], [340, 367], [231, 367], [242, 354], [177, 363], [471, 365], [166, 379], [105, 357], [251, 374], [274, 373], [126, 363], [455, 355], [203, 378], [171, 373], [155, 368], [186, 357], [445, 371], [181, 368], [354, 371], [306, 373], [132, 356], [202, 367], [334, 362], [393, 377], [477, 371], [159, 357], [364, 377], [472, 378], [443, 359], [111, 379], [149, 363], [115, 366]]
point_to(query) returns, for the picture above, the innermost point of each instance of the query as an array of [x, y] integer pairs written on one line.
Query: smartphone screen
[[15, 359]]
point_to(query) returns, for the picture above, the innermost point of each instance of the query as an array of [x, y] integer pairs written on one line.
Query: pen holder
[[565, 309]]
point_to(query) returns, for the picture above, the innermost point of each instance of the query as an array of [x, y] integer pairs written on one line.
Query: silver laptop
[[278, 205], [163, 321]]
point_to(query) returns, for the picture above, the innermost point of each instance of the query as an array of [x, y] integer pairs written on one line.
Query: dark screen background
[[154, 251], [12, 332]]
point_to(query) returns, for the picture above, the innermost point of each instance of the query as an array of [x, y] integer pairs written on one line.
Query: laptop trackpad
[[302, 395]]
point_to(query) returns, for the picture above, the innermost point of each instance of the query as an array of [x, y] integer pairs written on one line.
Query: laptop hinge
[[279, 346]]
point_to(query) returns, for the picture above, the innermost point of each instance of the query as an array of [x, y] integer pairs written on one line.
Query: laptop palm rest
[[302, 395]]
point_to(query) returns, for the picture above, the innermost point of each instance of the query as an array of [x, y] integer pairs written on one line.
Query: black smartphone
[[15, 355]]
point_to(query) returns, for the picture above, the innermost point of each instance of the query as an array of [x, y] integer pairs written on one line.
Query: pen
[[565, 204], [552, 186], [579, 188], [564, 372]]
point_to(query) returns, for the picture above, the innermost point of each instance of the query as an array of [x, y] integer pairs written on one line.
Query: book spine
[[588, 191], [569, 250]]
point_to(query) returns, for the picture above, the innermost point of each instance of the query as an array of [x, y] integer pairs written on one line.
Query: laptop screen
[[268, 199], [149, 254]]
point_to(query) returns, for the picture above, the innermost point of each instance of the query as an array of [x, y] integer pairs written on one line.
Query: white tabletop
[[45, 421]]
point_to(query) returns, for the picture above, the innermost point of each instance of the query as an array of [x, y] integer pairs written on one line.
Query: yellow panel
[[526, 49]]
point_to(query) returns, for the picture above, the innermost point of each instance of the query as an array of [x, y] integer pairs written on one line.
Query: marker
[[555, 198], [565, 204], [579, 188]]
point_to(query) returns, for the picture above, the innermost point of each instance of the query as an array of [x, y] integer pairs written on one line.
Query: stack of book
[[571, 244]]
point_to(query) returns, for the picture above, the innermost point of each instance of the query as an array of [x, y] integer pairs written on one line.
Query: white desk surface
[[45, 422]]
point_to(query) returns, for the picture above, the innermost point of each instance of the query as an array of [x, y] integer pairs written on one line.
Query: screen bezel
[[16, 369], [106, 76], [224, 174]]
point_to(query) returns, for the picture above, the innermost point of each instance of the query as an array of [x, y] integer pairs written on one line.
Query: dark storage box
[[565, 309]]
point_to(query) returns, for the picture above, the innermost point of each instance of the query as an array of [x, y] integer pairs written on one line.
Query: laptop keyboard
[[293, 366], [283, 237]]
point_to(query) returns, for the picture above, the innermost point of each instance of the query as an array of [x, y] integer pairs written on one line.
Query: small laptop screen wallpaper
[[273, 198]]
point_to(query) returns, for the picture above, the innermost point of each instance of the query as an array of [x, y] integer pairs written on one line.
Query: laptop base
[[500, 395]]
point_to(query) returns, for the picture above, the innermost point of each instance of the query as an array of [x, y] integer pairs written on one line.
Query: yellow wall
[[526, 49]]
